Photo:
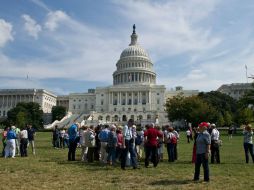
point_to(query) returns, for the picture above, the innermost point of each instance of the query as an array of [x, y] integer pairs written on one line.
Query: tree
[[58, 112], [192, 109], [222, 102], [245, 116], [21, 119], [29, 113], [197, 110], [220, 121], [228, 118], [175, 108]]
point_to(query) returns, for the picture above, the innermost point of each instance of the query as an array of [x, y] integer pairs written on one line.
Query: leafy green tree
[[32, 111], [192, 109], [175, 108], [58, 112], [245, 116], [220, 121], [197, 110], [21, 119], [228, 118]]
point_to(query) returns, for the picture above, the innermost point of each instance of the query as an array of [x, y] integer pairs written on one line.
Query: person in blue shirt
[[103, 136], [203, 143], [10, 144], [73, 141], [31, 134]]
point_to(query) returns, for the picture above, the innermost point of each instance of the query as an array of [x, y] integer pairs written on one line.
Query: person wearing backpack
[[171, 141], [175, 144]]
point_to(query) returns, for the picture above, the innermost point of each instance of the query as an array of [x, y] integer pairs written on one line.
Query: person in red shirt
[[151, 136], [119, 147]]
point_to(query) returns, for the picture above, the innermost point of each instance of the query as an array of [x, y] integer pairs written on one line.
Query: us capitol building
[[134, 94]]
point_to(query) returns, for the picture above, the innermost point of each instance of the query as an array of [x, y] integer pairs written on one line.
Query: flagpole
[[246, 72]]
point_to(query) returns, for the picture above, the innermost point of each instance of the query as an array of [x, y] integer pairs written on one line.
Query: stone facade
[[63, 101], [9, 98], [179, 90], [235, 90]]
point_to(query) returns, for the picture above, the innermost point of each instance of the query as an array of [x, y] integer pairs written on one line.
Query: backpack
[[173, 139], [138, 140]]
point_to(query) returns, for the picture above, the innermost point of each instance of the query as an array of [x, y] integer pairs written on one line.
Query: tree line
[[213, 107], [30, 113]]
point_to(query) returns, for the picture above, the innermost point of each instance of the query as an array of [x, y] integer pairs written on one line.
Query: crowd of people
[[16, 141], [125, 145], [112, 144]]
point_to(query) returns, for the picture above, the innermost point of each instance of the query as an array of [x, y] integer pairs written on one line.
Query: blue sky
[[72, 45]]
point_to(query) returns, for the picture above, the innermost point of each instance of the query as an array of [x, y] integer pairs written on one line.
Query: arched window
[[124, 118]]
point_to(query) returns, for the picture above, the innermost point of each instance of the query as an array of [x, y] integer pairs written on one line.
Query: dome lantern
[[134, 37]]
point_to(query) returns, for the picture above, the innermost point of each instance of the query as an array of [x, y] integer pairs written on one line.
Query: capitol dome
[[134, 50], [134, 65]]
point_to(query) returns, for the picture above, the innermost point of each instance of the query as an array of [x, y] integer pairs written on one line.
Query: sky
[[67, 46]]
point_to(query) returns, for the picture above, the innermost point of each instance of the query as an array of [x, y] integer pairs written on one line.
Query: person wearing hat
[[215, 150], [10, 144], [203, 143], [112, 143]]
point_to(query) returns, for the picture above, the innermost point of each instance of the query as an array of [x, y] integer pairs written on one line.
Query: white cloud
[[171, 27], [5, 32], [54, 18], [31, 26], [77, 51], [40, 4]]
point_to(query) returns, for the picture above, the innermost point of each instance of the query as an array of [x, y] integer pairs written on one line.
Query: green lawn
[[49, 169]]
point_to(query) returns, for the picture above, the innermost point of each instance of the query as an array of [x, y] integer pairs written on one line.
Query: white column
[[126, 95], [109, 98], [7, 101], [120, 94], [112, 96], [149, 97], [132, 98]]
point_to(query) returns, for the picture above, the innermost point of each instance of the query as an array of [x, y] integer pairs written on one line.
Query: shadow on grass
[[93, 166], [166, 182]]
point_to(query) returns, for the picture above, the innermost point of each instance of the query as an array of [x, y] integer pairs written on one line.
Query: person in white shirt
[[215, 150], [84, 149], [188, 134], [23, 142]]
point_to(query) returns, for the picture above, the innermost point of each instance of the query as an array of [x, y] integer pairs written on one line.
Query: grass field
[[49, 169]]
